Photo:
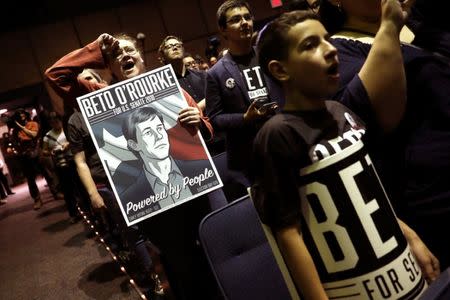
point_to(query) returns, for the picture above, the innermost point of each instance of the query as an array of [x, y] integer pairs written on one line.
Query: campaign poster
[[152, 162], [351, 231]]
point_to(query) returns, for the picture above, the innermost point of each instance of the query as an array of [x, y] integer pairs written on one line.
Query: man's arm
[[202, 104], [86, 178], [62, 75], [192, 116], [276, 161], [222, 120], [300, 263], [75, 132], [31, 128], [428, 263], [45, 147], [383, 73]]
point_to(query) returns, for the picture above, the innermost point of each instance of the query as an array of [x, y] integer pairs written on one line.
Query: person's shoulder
[[74, 118], [337, 108], [279, 119], [32, 124], [198, 72], [48, 133], [350, 46], [278, 136], [335, 105], [276, 125]]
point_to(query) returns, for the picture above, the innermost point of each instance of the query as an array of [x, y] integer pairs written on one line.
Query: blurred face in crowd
[[190, 63], [127, 62], [212, 60], [239, 24], [55, 123], [312, 63], [204, 66], [173, 50], [152, 140]]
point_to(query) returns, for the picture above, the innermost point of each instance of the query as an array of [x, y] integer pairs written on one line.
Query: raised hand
[[396, 11], [108, 44]]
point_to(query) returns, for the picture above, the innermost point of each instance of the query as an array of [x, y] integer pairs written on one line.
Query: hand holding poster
[[152, 162]]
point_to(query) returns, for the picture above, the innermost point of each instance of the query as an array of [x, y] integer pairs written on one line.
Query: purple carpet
[[44, 256]]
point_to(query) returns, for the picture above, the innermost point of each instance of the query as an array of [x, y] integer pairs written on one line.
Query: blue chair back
[[438, 289], [239, 254], [235, 184]]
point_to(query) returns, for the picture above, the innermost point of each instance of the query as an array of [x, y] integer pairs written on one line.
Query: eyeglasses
[[126, 50], [191, 63], [238, 18], [172, 46]]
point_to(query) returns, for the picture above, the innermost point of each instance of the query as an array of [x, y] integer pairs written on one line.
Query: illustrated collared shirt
[[174, 187]]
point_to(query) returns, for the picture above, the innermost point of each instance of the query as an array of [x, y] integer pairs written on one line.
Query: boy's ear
[[278, 70]]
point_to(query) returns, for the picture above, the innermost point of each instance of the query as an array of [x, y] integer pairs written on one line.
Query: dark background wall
[[34, 35]]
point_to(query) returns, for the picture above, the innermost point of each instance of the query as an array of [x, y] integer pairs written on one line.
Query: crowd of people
[[331, 115], [22, 144]]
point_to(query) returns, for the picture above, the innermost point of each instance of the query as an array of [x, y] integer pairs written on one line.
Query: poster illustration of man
[[153, 163]]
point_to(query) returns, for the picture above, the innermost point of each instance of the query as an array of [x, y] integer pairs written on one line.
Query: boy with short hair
[[312, 180]]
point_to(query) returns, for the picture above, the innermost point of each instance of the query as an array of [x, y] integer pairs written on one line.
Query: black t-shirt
[[80, 140], [289, 142], [194, 83], [315, 173], [252, 76]]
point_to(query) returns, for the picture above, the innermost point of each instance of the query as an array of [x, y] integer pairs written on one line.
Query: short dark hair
[[20, 111], [273, 43], [161, 57], [139, 115], [224, 7]]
